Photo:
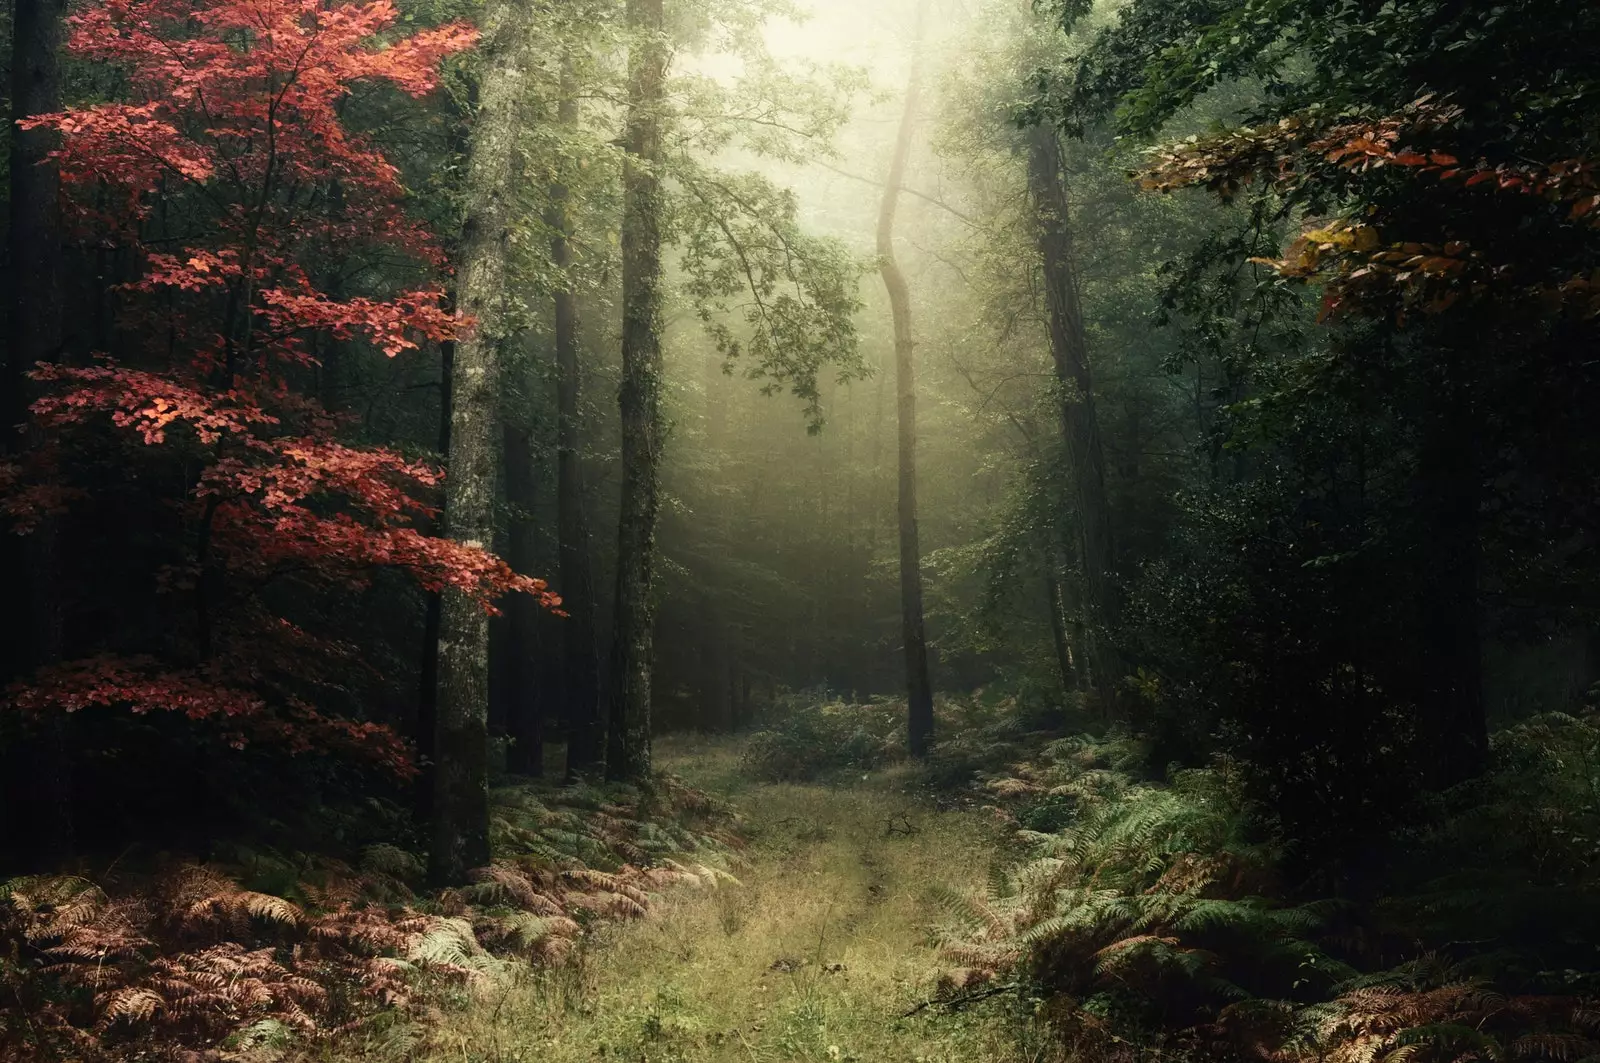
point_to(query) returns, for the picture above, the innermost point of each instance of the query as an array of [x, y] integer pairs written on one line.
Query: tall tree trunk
[[428, 695], [34, 262], [580, 654], [524, 713], [1080, 431], [919, 690], [639, 397], [461, 788]]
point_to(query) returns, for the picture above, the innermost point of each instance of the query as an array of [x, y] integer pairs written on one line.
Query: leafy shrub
[[808, 734], [1150, 906], [1153, 919]]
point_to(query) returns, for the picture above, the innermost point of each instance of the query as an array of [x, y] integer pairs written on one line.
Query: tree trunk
[[1080, 431], [919, 690], [524, 713], [428, 695], [639, 397], [1066, 659], [461, 796], [44, 826], [580, 655]]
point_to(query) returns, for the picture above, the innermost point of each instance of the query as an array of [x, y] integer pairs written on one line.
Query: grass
[[815, 955]]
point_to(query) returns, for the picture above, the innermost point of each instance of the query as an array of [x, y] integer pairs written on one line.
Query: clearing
[[815, 955]]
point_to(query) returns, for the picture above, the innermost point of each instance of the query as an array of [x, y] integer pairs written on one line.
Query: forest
[[844, 531]]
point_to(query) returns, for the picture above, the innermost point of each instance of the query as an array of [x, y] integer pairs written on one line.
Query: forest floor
[[817, 953]]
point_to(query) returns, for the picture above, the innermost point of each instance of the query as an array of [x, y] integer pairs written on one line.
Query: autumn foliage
[[225, 175], [1387, 262]]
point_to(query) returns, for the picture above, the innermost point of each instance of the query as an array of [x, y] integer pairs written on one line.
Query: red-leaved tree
[[225, 175]]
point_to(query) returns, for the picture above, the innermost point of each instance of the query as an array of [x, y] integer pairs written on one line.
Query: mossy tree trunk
[[461, 797], [639, 397]]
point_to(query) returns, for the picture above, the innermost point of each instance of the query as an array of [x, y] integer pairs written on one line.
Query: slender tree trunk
[[1066, 660], [34, 262], [919, 689], [639, 397], [1080, 430], [428, 695], [524, 713], [1450, 665], [461, 797], [580, 654]]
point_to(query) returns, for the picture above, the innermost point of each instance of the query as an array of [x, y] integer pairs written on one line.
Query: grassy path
[[814, 956]]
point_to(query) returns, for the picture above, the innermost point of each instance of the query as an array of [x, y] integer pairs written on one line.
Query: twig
[[893, 826], [925, 197], [952, 1003]]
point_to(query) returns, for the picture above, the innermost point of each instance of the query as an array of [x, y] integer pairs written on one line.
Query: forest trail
[[815, 955]]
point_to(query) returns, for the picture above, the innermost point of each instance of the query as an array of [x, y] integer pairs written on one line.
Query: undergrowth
[[814, 734], [266, 951], [1150, 918]]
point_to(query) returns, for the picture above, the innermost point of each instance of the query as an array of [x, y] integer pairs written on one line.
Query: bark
[[919, 690], [524, 714], [639, 397], [1080, 430], [428, 696], [580, 654], [461, 794], [34, 260]]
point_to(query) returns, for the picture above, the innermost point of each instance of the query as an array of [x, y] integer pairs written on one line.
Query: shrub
[[809, 734]]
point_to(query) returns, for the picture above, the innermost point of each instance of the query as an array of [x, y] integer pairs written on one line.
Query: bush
[[809, 734], [1154, 920]]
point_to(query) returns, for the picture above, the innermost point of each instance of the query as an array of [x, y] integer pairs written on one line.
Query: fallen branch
[[900, 825], [952, 1003]]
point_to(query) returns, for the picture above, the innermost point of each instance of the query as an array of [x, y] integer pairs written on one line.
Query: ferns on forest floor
[[1150, 919], [184, 956]]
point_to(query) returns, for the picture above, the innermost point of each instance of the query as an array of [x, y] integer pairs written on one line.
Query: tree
[[919, 689], [247, 503], [1080, 428], [1423, 475], [35, 315], [639, 397], [580, 660], [460, 826], [524, 707]]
